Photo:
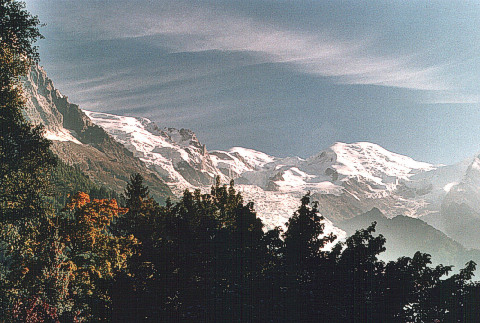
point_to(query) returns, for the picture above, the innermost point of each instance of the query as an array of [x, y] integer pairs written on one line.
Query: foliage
[[207, 258], [93, 254], [68, 180], [25, 162]]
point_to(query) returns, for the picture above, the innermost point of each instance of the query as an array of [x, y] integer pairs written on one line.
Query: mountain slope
[[176, 155], [346, 179], [460, 210], [77, 141], [406, 235]]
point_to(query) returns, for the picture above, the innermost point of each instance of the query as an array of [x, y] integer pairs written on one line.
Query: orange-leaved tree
[[94, 253]]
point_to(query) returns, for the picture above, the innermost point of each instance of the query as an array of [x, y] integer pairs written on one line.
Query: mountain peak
[[374, 162]]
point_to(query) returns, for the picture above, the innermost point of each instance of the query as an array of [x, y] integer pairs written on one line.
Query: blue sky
[[283, 77]]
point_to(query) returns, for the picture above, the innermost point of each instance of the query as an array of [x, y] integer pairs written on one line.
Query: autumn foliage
[[93, 254]]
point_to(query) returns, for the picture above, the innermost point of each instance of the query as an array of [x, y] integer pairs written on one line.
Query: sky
[[283, 77]]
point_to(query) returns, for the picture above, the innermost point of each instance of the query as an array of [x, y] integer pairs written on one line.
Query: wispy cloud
[[189, 28], [453, 98]]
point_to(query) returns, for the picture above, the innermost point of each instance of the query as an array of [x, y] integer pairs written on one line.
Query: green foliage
[[136, 192], [25, 162], [19, 29], [68, 180]]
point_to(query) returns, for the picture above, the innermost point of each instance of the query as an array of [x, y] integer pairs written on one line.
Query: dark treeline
[[208, 259], [82, 257]]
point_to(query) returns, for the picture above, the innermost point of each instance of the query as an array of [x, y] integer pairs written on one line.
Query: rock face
[[76, 140], [460, 210]]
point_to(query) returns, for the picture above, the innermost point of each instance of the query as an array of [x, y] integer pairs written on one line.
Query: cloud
[[453, 98], [186, 27]]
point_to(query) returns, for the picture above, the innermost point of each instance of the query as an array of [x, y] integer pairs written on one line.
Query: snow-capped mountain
[[328, 171], [346, 179], [177, 155], [350, 179], [239, 160]]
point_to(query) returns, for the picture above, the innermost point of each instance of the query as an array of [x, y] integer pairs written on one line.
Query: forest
[[71, 251]]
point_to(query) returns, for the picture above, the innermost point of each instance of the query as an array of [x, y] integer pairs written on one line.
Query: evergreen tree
[[136, 292], [136, 192]]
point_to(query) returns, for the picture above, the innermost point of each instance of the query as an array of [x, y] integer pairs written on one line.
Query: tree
[[25, 158], [94, 255], [304, 238], [136, 192], [25, 161], [304, 254], [359, 274], [137, 288]]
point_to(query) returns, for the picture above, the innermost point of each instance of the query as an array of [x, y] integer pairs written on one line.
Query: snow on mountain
[[375, 163], [275, 208], [328, 171], [350, 179], [77, 141], [347, 179], [177, 155], [182, 160], [467, 190], [239, 160]]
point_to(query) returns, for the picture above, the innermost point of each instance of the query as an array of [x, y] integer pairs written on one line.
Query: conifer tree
[[136, 192], [136, 287]]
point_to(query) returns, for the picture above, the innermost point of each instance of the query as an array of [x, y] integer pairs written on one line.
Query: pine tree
[[136, 192], [304, 238], [138, 286]]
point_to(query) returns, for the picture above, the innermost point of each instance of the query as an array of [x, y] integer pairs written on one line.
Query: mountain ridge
[[347, 179], [78, 141]]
